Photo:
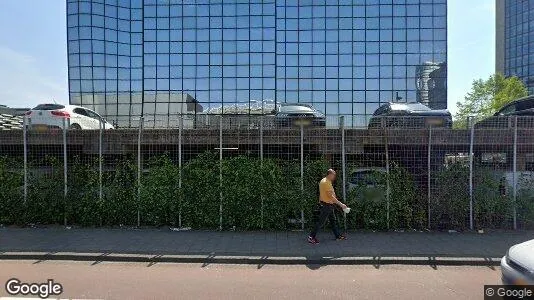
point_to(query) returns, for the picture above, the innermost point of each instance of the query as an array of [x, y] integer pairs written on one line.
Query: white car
[[517, 266], [51, 116]]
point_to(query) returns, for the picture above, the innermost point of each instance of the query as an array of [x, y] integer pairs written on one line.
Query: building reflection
[[431, 82]]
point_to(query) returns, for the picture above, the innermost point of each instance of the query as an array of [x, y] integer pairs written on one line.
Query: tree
[[488, 96]]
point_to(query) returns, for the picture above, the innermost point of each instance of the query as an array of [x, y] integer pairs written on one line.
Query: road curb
[[254, 260]]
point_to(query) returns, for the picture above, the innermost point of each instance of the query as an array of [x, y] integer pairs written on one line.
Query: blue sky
[[33, 60]]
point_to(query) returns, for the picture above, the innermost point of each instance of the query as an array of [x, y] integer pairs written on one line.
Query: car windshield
[[507, 110], [49, 107], [409, 107]]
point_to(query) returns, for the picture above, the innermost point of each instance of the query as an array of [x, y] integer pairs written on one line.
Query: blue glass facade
[[345, 57], [519, 40]]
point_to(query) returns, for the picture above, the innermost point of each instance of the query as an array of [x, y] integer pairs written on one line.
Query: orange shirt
[[325, 189]]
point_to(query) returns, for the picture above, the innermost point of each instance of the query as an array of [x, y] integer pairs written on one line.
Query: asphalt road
[[192, 281]]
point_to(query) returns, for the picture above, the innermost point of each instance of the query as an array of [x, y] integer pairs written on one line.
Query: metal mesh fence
[[257, 172]]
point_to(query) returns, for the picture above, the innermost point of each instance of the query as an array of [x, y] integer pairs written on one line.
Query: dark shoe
[[341, 238], [313, 240]]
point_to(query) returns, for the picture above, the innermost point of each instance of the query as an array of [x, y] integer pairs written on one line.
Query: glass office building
[[164, 57], [515, 40]]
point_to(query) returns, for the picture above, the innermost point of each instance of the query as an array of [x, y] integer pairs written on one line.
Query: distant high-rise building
[[515, 40], [129, 58]]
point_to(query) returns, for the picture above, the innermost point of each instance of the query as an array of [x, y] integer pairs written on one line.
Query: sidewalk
[[164, 245]]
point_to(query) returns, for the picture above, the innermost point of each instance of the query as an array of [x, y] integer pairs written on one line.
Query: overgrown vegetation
[[370, 202], [492, 208], [255, 195], [487, 97]]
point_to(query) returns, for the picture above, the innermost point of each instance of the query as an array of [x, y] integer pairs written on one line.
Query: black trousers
[[326, 211]]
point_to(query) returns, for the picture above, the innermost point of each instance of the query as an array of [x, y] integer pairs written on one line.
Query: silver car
[[289, 114], [517, 267]]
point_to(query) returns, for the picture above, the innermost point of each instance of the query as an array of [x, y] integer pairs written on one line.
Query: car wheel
[[75, 127]]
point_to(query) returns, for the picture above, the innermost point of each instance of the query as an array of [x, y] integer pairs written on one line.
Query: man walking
[[327, 206]]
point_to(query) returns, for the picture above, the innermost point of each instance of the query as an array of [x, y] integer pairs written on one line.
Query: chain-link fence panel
[[523, 179], [248, 172], [493, 166]]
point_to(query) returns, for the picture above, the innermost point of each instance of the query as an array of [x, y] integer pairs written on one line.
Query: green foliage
[[45, 203], [290, 193], [488, 96], [242, 192], [201, 191], [11, 193], [369, 201], [160, 193], [120, 204], [83, 204], [280, 191], [249, 187], [408, 205], [525, 201], [491, 209], [450, 198], [247, 183]]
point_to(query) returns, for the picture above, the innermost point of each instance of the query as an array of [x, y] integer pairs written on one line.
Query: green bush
[[201, 192], [280, 195], [408, 208], [525, 201], [247, 183], [370, 204], [242, 192], [450, 198], [160, 193], [120, 205], [83, 204], [11, 191], [249, 187], [46, 201], [491, 209]]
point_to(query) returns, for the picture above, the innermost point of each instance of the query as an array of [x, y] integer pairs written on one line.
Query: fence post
[[180, 126], [65, 170], [261, 166], [25, 149], [220, 172], [140, 132], [471, 154], [100, 125], [387, 178], [343, 166], [514, 177], [302, 174], [429, 161]]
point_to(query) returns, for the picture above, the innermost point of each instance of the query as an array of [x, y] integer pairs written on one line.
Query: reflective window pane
[[343, 57]]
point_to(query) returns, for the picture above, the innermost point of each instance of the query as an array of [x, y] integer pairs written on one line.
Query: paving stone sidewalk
[[268, 244]]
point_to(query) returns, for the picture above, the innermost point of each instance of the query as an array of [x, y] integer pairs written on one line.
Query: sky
[[33, 50]]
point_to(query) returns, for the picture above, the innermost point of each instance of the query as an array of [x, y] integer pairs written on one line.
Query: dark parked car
[[523, 108], [291, 114], [409, 115]]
